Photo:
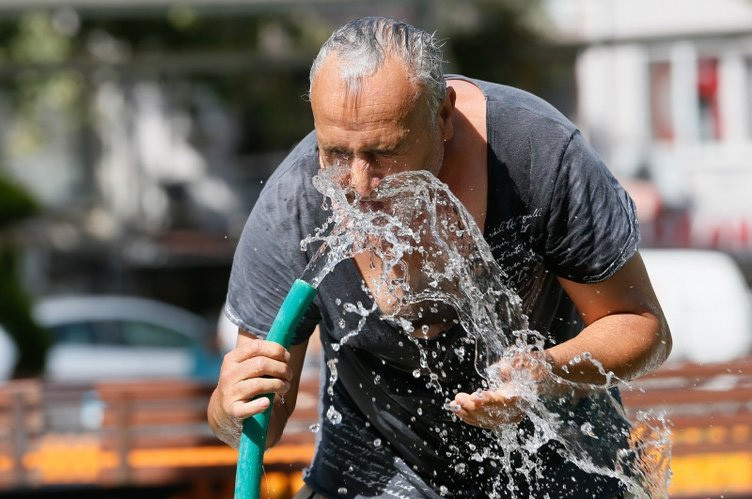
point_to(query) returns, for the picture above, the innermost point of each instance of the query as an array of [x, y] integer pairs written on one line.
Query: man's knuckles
[[257, 348], [255, 367], [262, 386], [248, 390], [241, 409]]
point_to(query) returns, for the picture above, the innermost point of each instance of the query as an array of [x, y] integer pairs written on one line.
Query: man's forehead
[[332, 138], [387, 94]]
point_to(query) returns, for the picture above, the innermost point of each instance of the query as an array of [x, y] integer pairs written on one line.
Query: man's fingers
[[250, 388], [253, 368], [247, 397], [258, 348], [464, 402], [243, 410], [484, 400], [257, 367], [486, 409], [501, 370]]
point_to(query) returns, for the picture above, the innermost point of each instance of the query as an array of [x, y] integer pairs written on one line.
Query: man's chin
[[372, 205]]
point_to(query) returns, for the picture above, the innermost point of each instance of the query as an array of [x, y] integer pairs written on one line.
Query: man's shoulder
[[298, 166], [517, 112], [526, 133], [529, 110], [291, 181], [289, 193]]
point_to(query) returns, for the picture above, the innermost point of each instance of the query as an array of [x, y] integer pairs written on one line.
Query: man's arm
[[255, 367], [625, 331]]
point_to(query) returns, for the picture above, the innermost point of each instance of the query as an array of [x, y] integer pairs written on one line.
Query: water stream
[[431, 268]]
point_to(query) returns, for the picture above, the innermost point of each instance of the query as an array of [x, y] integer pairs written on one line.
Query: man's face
[[384, 129]]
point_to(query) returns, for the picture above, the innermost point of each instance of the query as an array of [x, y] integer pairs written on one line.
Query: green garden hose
[[253, 439]]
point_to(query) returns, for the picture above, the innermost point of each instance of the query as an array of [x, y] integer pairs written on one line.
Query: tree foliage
[[16, 318]]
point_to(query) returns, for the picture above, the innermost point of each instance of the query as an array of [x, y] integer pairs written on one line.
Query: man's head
[[379, 101]]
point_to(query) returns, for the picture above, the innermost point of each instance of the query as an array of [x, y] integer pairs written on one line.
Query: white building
[[665, 91]]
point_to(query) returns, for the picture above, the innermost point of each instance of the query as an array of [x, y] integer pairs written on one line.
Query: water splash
[[433, 266]]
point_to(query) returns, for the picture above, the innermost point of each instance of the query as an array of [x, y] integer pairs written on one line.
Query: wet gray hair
[[363, 44]]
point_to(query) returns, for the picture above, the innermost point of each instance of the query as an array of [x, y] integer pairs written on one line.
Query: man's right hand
[[253, 368]]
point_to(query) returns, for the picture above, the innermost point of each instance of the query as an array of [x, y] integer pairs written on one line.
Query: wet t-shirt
[[553, 210]]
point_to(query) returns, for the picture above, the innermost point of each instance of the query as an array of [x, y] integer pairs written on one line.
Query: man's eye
[[334, 157]]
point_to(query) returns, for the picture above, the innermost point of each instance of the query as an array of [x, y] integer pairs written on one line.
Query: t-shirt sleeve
[[590, 225], [268, 257]]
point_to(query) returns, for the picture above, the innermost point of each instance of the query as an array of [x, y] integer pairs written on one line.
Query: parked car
[[706, 301], [105, 337]]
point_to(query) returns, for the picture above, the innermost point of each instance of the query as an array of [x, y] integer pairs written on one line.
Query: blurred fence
[[154, 433], [709, 407], [129, 435]]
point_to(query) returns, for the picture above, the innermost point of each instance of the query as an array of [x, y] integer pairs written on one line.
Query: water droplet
[[587, 429], [416, 373], [315, 427], [377, 442], [443, 490], [333, 415], [460, 468], [342, 491]]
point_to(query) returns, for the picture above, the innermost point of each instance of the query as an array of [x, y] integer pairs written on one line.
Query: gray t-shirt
[[553, 210]]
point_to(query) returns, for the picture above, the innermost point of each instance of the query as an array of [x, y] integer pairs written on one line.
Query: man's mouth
[[371, 205]]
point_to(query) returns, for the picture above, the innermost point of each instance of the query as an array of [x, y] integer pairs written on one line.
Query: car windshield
[[119, 333]]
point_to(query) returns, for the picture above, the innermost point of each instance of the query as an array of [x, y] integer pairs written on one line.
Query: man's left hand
[[514, 380], [488, 409]]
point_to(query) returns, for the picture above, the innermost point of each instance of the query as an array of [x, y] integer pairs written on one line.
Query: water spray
[[456, 267]]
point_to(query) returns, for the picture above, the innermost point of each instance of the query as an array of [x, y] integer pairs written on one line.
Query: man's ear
[[444, 117]]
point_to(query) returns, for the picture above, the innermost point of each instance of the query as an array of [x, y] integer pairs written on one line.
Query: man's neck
[[465, 168]]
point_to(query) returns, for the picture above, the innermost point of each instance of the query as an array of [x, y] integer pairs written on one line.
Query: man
[[555, 217]]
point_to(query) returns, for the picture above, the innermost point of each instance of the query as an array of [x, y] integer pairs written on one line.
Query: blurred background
[[135, 137]]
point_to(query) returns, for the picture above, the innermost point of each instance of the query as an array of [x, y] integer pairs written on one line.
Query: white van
[[706, 301]]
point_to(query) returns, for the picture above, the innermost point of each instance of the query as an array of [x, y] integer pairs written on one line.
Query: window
[[660, 102], [120, 333], [106, 332], [707, 99], [749, 97], [77, 333], [143, 334]]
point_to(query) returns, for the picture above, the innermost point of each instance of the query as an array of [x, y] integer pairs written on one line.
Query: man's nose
[[362, 177]]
